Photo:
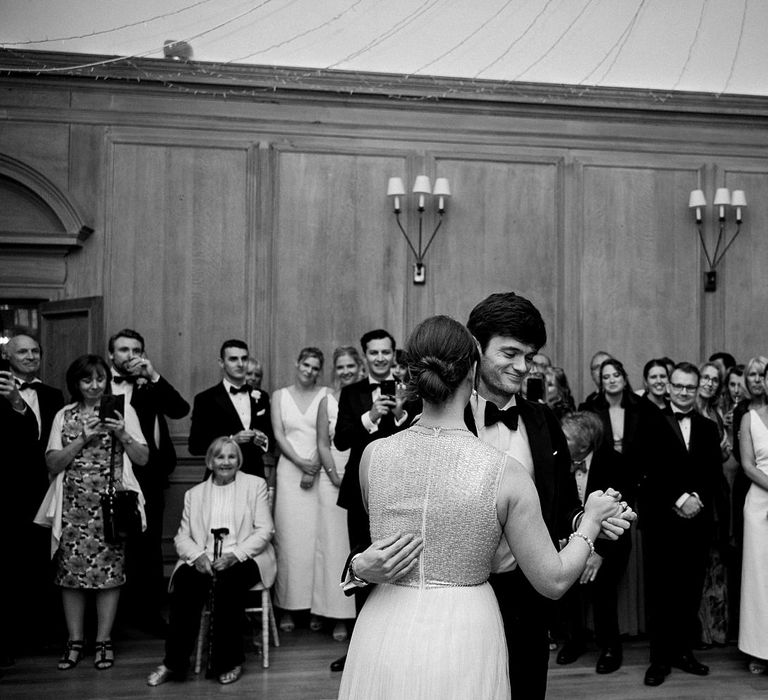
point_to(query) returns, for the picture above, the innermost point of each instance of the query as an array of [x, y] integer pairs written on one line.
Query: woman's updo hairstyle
[[439, 354]]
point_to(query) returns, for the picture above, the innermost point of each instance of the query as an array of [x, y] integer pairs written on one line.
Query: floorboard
[[299, 671]]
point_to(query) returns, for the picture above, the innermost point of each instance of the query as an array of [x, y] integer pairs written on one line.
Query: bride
[[437, 631]]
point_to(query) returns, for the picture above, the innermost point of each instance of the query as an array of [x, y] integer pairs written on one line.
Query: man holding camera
[[232, 407], [27, 408], [154, 400]]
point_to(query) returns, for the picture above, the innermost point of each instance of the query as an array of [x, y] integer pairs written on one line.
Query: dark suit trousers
[[675, 561], [525, 614], [359, 529], [191, 590], [603, 594]]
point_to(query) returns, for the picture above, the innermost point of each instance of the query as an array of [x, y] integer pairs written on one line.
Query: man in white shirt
[[233, 408]]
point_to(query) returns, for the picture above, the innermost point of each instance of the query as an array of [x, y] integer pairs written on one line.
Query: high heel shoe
[[73, 652], [105, 655], [286, 624], [315, 623], [340, 633]]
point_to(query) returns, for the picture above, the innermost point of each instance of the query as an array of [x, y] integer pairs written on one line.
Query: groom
[[510, 331]]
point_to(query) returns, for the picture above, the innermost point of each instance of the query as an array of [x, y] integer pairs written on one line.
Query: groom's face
[[503, 365]]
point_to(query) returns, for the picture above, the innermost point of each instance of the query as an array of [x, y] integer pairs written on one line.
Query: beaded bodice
[[441, 484]]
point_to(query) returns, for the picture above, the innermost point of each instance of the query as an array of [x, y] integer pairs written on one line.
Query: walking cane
[[219, 533]]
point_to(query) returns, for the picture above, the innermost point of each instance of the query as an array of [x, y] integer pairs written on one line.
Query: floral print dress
[[84, 559]]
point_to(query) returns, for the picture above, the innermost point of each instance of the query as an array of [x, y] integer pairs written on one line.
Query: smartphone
[[5, 364], [388, 388], [534, 389], [110, 406]]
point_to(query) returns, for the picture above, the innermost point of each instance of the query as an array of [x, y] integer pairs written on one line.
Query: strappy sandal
[[104, 656], [231, 676], [73, 652]]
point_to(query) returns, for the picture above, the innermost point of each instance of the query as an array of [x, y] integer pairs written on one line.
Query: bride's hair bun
[[440, 353]]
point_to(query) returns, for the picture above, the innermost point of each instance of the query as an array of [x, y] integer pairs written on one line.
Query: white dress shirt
[[368, 424], [582, 477], [685, 429], [242, 403], [31, 399]]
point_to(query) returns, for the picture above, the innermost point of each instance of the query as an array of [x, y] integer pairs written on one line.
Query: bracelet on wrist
[[582, 536], [355, 578]]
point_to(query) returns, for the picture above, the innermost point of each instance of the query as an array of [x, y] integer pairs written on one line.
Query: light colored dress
[[296, 508], [332, 538], [437, 632], [753, 624]]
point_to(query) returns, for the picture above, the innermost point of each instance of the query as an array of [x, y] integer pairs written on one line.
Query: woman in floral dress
[[78, 457]]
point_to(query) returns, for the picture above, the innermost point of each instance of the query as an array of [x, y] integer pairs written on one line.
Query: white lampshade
[[738, 199], [722, 197], [395, 187], [697, 199], [442, 188], [422, 185]]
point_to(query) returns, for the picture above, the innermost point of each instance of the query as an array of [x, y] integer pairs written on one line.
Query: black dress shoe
[[687, 663], [338, 665], [570, 652], [609, 660], [656, 674]]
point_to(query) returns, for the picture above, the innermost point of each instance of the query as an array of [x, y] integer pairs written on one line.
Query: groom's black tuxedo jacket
[[214, 415], [558, 496]]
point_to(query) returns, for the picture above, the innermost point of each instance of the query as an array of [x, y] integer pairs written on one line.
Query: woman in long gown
[[332, 539], [437, 632], [753, 631], [294, 421]]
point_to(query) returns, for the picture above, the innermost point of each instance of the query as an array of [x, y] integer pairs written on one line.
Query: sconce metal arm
[[405, 235], [725, 250], [432, 237], [704, 246]]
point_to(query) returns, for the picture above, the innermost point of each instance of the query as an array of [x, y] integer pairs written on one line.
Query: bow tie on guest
[[493, 415], [687, 414], [28, 385], [124, 378], [580, 466], [240, 390]]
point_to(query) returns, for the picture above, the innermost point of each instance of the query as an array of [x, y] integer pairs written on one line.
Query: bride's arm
[[517, 506]]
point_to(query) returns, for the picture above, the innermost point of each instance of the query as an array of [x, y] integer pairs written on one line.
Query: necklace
[[437, 429]]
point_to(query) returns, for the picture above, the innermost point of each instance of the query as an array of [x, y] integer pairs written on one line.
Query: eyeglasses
[[680, 388], [709, 380]]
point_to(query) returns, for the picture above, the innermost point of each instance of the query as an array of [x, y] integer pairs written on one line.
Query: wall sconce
[[423, 188], [723, 199]]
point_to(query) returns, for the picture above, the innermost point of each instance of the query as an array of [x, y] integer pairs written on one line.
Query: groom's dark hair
[[507, 314]]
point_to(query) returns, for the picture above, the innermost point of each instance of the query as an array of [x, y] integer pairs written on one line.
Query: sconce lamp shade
[[722, 197], [395, 187], [738, 199], [442, 188], [422, 185], [697, 199]]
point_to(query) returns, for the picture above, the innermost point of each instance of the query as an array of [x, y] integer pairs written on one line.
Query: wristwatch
[[354, 578]]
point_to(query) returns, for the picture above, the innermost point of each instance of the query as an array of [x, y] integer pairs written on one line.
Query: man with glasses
[[594, 369], [679, 499]]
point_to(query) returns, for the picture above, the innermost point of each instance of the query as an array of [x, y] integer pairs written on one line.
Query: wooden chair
[[267, 623]]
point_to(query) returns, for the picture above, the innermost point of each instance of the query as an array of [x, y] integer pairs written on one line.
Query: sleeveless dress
[[753, 627], [332, 539], [437, 632], [296, 508]]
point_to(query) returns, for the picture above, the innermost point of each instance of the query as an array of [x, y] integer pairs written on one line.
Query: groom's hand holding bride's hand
[[616, 525], [389, 558]]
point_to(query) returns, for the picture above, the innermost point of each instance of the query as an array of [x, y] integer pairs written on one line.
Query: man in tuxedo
[[27, 409], [679, 498], [510, 331], [595, 465], [594, 368], [154, 399], [368, 410], [233, 408]]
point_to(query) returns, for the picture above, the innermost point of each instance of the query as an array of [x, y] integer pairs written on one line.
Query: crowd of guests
[[689, 452]]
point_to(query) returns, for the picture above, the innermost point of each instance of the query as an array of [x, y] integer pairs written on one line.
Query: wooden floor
[[299, 671]]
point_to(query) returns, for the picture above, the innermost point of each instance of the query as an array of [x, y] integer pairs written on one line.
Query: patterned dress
[[84, 559]]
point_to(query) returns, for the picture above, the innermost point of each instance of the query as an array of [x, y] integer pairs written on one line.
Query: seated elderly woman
[[235, 505]]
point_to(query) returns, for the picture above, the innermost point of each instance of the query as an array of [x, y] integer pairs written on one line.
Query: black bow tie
[[124, 378], [580, 466], [680, 416], [493, 414], [240, 389], [28, 385]]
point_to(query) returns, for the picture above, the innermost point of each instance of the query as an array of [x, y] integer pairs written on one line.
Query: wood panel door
[[68, 329]]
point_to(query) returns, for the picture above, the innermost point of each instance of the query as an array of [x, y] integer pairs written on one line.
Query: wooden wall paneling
[[43, 146], [502, 232], [640, 289], [177, 258], [743, 274], [337, 268]]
